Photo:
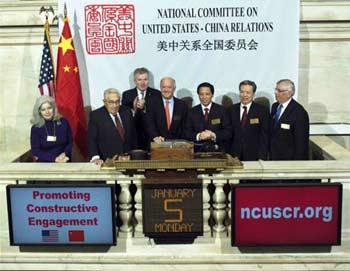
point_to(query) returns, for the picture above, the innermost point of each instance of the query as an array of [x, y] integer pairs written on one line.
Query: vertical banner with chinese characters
[[222, 42]]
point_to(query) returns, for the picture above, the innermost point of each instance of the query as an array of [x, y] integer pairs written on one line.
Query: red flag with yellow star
[[68, 89]]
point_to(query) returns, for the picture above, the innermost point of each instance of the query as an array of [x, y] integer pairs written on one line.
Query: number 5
[[170, 210]]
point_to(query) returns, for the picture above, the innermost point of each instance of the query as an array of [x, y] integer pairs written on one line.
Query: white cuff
[[95, 157]]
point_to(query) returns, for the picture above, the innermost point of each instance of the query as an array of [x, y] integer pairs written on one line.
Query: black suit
[[251, 142], [156, 119], [128, 98], [103, 137], [218, 122], [289, 139]]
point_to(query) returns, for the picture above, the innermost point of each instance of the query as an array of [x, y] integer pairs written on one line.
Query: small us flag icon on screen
[[49, 235]]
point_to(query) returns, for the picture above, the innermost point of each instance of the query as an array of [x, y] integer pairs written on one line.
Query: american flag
[[47, 77], [49, 236]]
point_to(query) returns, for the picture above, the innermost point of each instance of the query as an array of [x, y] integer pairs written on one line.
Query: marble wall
[[324, 69]]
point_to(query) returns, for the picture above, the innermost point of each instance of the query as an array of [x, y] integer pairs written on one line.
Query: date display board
[[172, 207]]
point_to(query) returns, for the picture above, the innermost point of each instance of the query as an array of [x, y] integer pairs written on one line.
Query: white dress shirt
[[242, 109]]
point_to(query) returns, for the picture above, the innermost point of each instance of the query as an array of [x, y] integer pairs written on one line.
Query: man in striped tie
[[289, 129]]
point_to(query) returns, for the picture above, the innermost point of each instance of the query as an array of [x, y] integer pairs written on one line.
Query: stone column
[[125, 205], [219, 204], [138, 208]]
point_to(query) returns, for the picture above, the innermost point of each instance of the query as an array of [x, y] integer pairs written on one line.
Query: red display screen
[[302, 214]]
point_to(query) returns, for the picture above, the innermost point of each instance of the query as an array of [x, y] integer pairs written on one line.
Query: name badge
[[254, 121], [215, 121], [51, 139], [285, 126]]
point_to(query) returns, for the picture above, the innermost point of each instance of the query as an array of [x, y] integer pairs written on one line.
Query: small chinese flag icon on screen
[[76, 236]]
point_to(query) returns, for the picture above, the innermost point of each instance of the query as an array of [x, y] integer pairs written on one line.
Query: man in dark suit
[[208, 124], [138, 100], [289, 129], [250, 125], [166, 115], [111, 129]]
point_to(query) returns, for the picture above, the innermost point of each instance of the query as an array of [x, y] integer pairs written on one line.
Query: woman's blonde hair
[[37, 119]]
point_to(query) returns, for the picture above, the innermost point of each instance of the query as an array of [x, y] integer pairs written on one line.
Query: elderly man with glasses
[[289, 129], [111, 129]]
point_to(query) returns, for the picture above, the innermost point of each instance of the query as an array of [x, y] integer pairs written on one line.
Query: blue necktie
[[277, 114]]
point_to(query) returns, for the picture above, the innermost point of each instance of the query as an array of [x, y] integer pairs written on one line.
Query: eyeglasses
[[113, 102], [281, 90]]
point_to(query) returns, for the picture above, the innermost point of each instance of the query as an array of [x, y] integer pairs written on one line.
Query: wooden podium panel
[[172, 150]]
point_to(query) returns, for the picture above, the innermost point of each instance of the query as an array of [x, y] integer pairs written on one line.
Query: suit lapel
[[287, 111], [124, 121], [251, 111], [162, 115], [211, 114], [273, 114], [110, 122], [237, 114], [134, 94], [175, 112], [148, 93], [201, 119]]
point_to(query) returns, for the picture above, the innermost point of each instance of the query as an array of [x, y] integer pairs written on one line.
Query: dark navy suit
[[103, 137], [251, 142], [128, 98], [218, 122], [156, 119], [47, 151], [289, 138]]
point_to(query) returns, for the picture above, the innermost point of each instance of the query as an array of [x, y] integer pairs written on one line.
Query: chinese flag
[[68, 89], [76, 236]]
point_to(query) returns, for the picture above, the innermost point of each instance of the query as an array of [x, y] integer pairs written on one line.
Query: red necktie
[[244, 117], [206, 114], [167, 114], [119, 127]]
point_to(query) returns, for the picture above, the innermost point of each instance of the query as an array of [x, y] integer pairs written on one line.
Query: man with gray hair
[[289, 129], [166, 115], [138, 100], [111, 129]]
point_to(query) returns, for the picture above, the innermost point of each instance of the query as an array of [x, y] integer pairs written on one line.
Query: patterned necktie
[[244, 117], [142, 94], [167, 114], [277, 114], [206, 114], [119, 127]]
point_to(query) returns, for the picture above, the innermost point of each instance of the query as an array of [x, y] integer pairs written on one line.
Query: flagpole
[[65, 11], [47, 31], [49, 10]]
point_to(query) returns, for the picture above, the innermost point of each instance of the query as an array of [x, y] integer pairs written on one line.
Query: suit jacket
[[251, 142], [103, 137], [218, 122], [289, 139], [156, 119], [47, 151], [128, 98]]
